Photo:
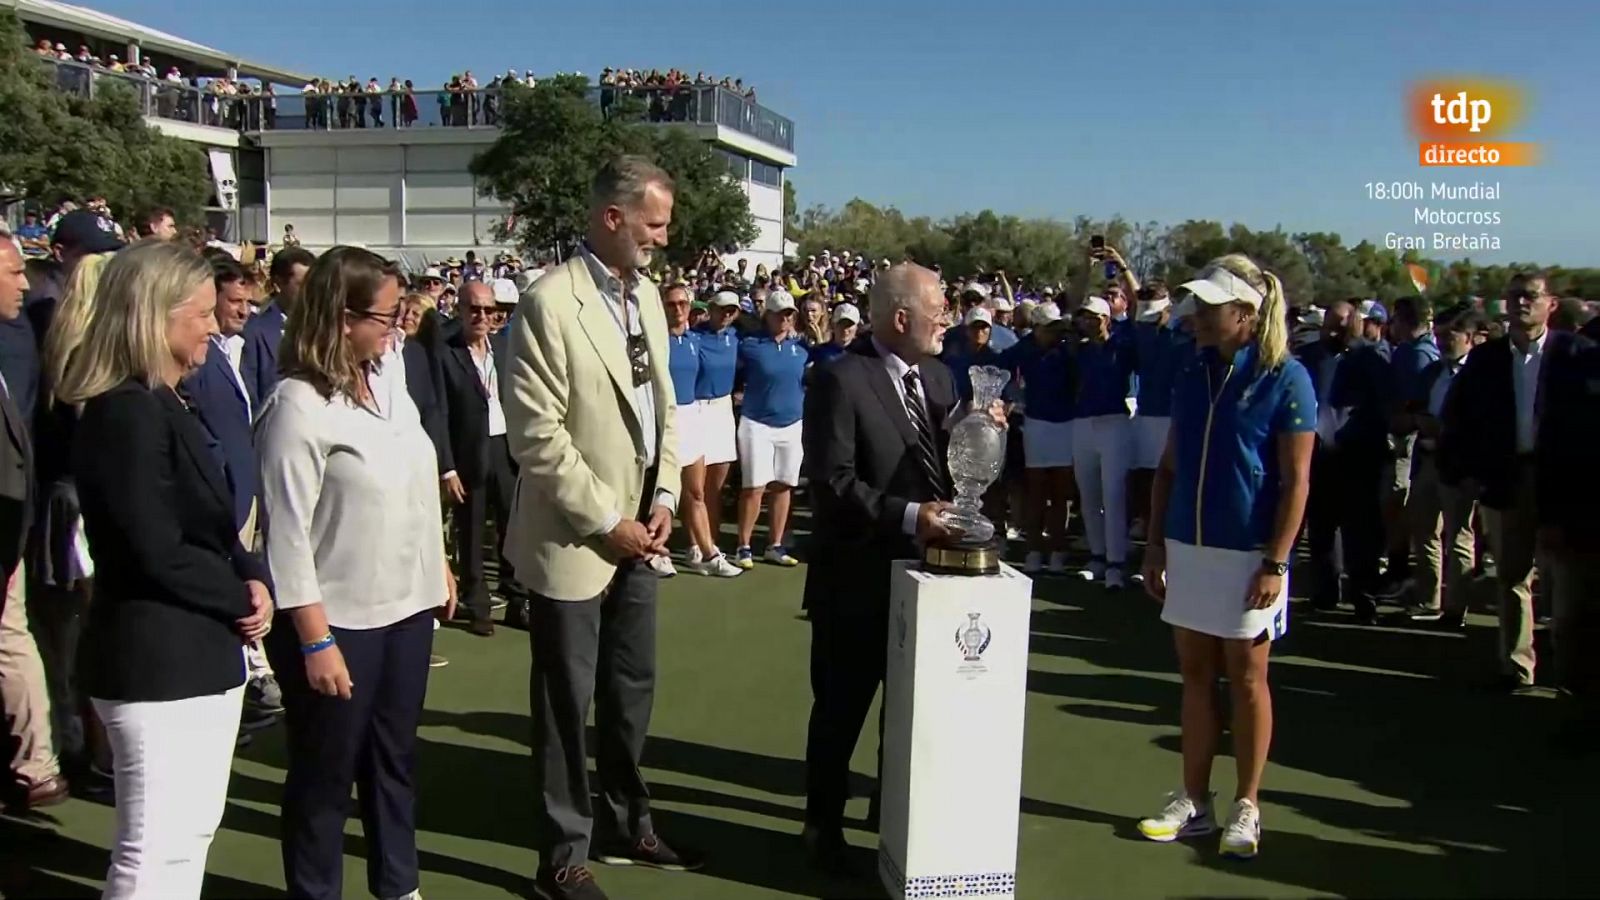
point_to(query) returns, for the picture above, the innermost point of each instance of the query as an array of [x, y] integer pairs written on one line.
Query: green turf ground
[[1390, 775]]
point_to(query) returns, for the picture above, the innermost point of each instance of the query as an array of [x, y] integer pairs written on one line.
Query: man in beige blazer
[[589, 416]]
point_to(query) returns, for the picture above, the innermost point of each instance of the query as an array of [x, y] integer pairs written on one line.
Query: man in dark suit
[[219, 397], [484, 477], [1487, 449], [875, 437], [259, 362], [1567, 498], [34, 770]]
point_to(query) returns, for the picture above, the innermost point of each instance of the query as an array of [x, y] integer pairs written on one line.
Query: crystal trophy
[[976, 457]]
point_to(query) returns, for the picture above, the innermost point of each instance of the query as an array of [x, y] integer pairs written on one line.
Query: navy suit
[[219, 400], [260, 363]]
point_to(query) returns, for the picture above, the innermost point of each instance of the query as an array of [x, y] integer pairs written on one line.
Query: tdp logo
[[1461, 111]]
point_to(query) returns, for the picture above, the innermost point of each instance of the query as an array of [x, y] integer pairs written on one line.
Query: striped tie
[[927, 449]]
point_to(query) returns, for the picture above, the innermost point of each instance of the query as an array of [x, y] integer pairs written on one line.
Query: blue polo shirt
[[684, 365], [1226, 482], [962, 362], [1046, 375], [1162, 353], [822, 353], [774, 386], [1104, 373], [1407, 361], [719, 360]]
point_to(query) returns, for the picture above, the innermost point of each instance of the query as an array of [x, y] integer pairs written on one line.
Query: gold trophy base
[[962, 558]]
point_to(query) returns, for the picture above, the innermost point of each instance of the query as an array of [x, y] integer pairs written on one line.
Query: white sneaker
[[1114, 579], [662, 566], [1094, 571], [718, 567], [1033, 562], [414, 895], [1058, 562], [1241, 836], [1180, 818], [1013, 533], [693, 556]]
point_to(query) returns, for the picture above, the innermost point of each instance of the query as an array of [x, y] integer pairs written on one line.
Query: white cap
[[432, 272], [863, 285], [979, 314], [1096, 305], [1047, 291], [1045, 313], [847, 312], [1313, 317], [1001, 304], [725, 298], [974, 287], [778, 301], [1151, 310], [505, 292], [1217, 286]]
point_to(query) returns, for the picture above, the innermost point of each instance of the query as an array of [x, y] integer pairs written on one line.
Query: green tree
[[791, 208], [57, 146], [552, 140]]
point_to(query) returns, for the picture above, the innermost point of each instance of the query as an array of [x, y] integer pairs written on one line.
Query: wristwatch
[[1274, 567]]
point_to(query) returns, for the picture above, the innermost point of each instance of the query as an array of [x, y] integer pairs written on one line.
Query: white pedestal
[[954, 696]]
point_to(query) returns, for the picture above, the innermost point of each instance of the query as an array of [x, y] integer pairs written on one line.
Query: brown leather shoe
[[48, 792]]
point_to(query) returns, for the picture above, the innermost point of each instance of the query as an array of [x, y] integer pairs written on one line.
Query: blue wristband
[[317, 646]]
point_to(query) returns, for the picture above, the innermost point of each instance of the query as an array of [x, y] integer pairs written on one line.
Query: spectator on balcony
[[394, 91], [374, 102], [290, 239], [408, 105], [469, 84]]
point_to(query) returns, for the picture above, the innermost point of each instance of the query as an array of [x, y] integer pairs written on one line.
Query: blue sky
[[1264, 113]]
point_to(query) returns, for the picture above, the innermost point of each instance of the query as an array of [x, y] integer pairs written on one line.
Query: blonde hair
[[1272, 324], [420, 298], [314, 347], [125, 335], [71, 320]]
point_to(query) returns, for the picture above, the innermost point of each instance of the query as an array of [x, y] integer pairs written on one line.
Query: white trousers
[[171, 761], [1100, 455]]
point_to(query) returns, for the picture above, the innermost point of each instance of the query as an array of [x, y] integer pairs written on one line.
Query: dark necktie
[[927, 448]]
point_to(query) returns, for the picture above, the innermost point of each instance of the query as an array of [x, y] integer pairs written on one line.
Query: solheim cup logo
[[974, 638]]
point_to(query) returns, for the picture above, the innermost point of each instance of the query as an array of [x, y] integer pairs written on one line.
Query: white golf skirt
[[1206, 593], [715, 421], [690, 433], [1046, 445], [1149, 440], [768, 454]]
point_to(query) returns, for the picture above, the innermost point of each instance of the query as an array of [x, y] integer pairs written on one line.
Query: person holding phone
[[1228, 501]]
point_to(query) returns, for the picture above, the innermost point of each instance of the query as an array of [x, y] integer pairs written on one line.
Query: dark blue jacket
[[217, 399], [260, 362], [1569, 430], [1356, 383], [19, 362]]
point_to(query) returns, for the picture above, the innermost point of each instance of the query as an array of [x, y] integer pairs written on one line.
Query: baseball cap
[[778, 301], [1046, 313], [1047, 291], [432, 272], [88, 231], [1151, 310], [1217, 286], [847, 312], [505, 292], [1001, 304], [725, 298], [978, 288], [1372, 309], [1096, 305], [978, 315]]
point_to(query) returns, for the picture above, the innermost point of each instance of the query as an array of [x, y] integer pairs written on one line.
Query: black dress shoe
[[482, 628], [570, 883], [517, 615], [828, 854], [649, 851]]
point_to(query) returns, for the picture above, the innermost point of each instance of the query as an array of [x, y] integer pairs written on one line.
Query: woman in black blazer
[[176, 595]]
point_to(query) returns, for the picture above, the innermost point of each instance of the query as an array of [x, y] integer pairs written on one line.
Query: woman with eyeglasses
[[351, 488], [1229, 497]]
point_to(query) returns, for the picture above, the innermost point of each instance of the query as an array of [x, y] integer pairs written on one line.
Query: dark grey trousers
[[601, 650]]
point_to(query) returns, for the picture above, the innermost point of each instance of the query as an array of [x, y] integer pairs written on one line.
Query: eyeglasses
[[388, 318], [487, 312]]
